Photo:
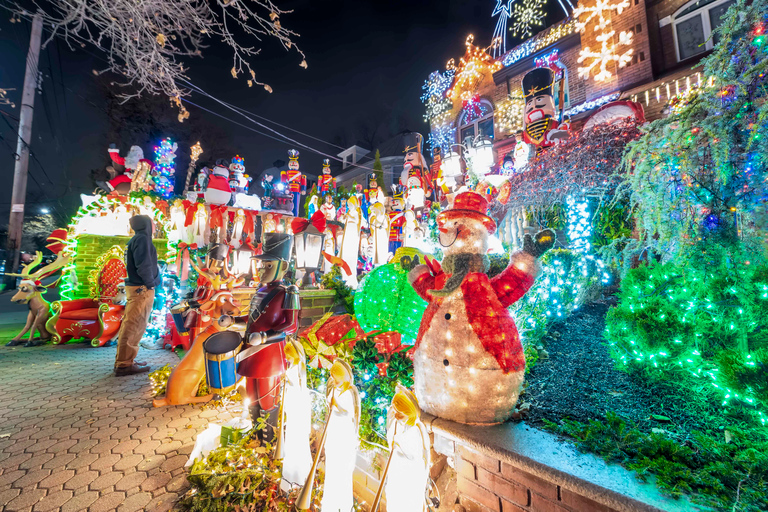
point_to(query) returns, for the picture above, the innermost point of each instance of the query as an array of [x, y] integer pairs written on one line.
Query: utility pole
[[18, 199]]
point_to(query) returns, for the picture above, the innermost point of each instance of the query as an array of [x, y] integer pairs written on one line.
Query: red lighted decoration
[[97, 318]]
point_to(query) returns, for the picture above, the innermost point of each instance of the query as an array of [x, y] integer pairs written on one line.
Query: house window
[[694, 24], [476, 118]]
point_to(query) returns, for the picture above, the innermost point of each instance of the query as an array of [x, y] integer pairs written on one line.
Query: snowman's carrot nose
[[442, 230]]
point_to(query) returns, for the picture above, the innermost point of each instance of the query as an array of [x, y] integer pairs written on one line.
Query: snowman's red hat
[[468, 204]]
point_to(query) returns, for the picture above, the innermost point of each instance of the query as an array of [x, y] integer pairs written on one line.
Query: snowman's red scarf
[[486, 310]]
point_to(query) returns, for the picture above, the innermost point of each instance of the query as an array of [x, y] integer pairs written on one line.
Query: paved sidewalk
[[74, 437]]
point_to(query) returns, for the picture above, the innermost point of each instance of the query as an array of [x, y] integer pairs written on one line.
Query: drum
[[220, 351], [177, 312]]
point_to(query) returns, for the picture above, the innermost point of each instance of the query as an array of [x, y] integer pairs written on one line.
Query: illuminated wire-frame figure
[[500, 32]]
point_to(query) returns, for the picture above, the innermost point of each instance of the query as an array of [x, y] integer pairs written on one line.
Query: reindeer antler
[[58, 263], [199, 268]]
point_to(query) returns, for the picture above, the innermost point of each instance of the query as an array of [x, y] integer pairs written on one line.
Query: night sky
[[366, 62]]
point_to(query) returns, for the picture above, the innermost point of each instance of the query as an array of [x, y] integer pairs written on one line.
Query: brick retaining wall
[[516, 468]]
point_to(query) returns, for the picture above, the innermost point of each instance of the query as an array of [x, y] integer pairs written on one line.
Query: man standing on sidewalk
[[143, 276]]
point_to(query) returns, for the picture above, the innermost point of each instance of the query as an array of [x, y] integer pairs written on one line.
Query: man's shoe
[[140, 363], [15, 343], [130, 370]]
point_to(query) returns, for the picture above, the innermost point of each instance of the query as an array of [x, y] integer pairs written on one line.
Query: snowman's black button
[[447, 316], [445, 362]]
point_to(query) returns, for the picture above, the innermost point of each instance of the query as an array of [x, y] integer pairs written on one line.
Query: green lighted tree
[[694, 175], [378, 170]]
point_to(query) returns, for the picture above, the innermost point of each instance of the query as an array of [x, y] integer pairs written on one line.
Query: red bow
[[189, 209], [436, 270], [248, 228], [217, 215], [300, 224]]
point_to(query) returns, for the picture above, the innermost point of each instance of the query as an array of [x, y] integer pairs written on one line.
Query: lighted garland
[[539, 41]]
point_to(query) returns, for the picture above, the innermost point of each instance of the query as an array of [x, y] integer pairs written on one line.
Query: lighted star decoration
[[504, 11], [610, 52], [526, 16]]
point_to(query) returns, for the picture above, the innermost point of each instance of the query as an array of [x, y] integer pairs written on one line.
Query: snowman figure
[[469, 363], [218, 190]]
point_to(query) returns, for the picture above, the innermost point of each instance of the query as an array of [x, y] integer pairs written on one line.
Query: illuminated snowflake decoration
[[504, 11], [435, 102], [599, 16], [526, 16], [607, 54], [601, 10], [443, 136]]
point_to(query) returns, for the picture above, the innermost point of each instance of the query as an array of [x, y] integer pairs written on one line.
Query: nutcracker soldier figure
[[396, 219], [540, 125], [274, 313], [373, 193], [414, 162], [325, 182], [295, 182]]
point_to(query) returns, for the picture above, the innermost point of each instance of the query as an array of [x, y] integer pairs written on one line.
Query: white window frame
[[706, 25], [475, 122]]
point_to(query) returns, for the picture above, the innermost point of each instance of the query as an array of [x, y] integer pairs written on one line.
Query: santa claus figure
[[122, 182], [540, 125], [469, 363], [218, 190]]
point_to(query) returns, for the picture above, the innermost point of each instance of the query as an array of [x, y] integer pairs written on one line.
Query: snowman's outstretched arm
[[422, 280], [516, 279]]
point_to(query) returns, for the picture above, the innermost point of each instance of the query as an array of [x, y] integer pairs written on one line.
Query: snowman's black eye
[[447, 316], [445, 362]]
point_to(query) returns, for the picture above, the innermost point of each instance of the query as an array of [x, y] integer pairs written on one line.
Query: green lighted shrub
[[567, 281], [707, 322]]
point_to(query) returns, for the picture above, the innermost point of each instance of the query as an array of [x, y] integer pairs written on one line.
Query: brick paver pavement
[[74, 437]]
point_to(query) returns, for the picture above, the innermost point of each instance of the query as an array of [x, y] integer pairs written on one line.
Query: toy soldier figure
[[325, 182], [274, 313], [295, 182], [540, 126]]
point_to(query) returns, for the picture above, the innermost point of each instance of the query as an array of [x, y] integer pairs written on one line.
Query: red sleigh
[[97, 318]]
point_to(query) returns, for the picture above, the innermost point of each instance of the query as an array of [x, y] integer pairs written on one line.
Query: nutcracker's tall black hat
[[413, 142], [538, 82], [218, 252], [276, 246]]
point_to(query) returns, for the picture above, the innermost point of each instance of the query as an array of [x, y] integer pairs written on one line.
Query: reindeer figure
[[218, 305], [31, 292]]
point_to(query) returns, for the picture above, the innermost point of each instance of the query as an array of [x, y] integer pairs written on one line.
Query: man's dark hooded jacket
[[141, 255]]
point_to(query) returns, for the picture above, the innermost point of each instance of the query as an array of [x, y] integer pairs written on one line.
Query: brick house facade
[[669, 38]]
